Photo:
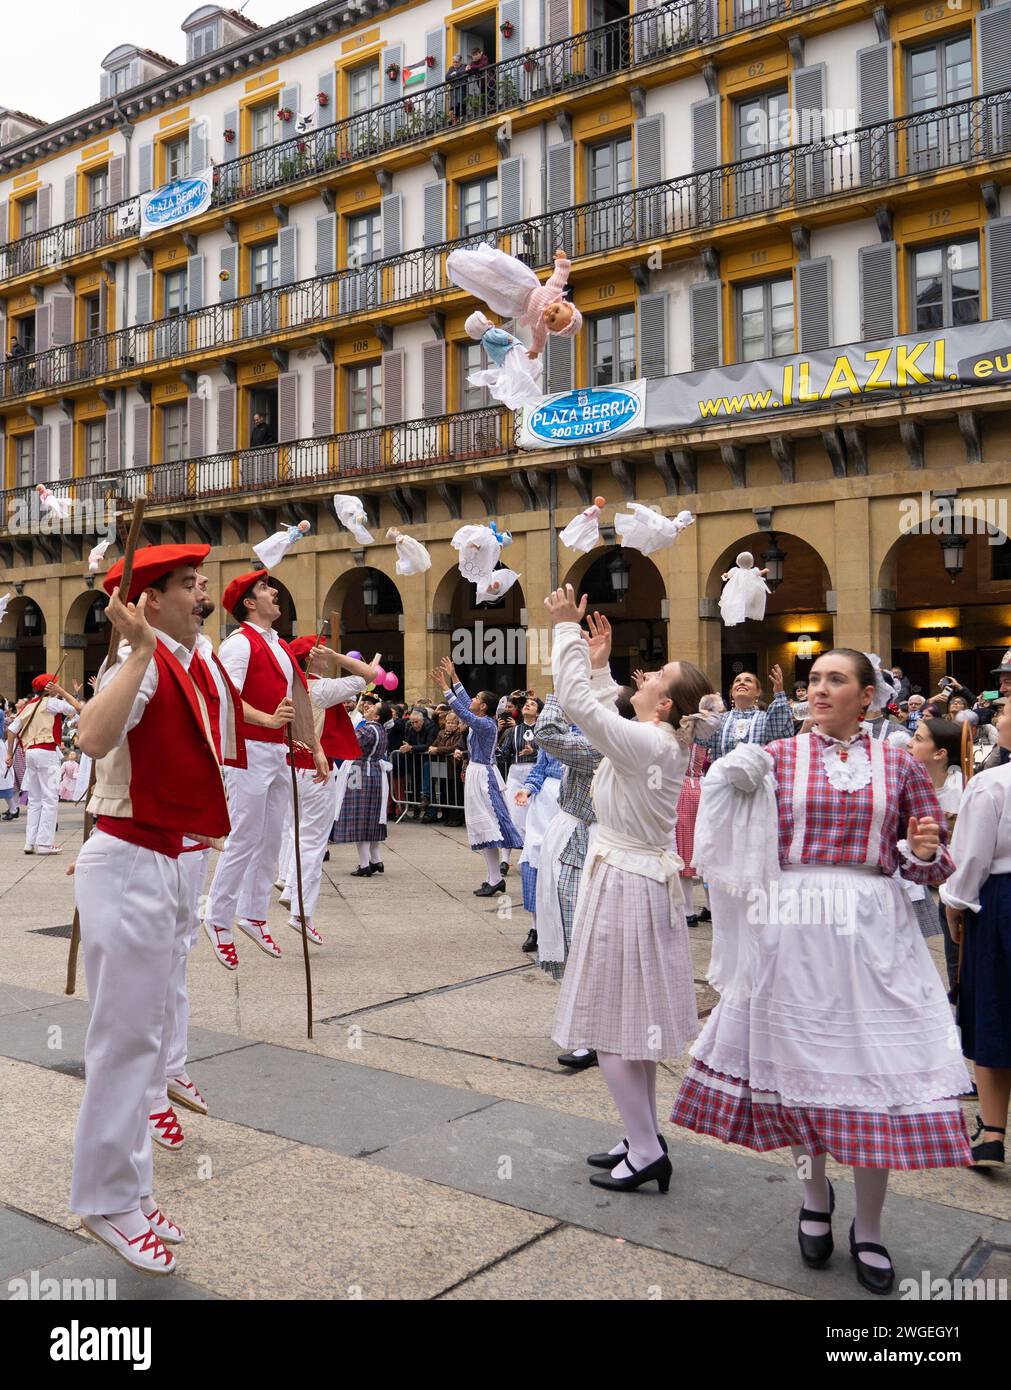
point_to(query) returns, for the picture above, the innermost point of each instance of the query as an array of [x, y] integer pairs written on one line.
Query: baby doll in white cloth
[[744, 592], [480, 548], [511, 289], [272, 550], [514, 378], [412, 557], [643, 529], [583, 531], [351, 513]]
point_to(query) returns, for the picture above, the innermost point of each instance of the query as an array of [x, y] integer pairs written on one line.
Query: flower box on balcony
[[392, 71], [229, 136], [285, 113]]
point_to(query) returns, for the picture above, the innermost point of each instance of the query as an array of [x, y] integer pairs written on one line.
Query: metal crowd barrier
[[430, 780]]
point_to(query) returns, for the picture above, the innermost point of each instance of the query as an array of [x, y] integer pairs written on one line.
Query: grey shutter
[[510, 191], [104, 87], [4, 221], [134, 74], [993, 33], [433, 374], [112, 430], [287, 255], [326, 244], [558, 365], [142, 289], [62, 323], [195, 282], [878, 295], [229, 266], [289, 99], [43, 327], [393, 386], [511, 12], [40, 453], [200, 155], [652, 335], [560, 194], [435, 213], [287, 407], [196, 443], [392, 53], [557, 21], [998, 266], [393, 214], [44, 207], [327, 86], [145, 168], [226, 419], [141, 436], [874, 80], [435, 47], [103, 305], [230, 151], [322, 400], [705, 117], [649, 141], [66, 448], [117, 180], [814, 304], [705, 301], [809, 104], [70, 198]]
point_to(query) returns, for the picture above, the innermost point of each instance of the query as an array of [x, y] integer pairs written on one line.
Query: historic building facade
[[735, 180]]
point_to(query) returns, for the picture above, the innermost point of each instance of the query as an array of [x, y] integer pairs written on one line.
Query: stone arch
[[364, 628], [86, 629], [637, 612], [22, 645]]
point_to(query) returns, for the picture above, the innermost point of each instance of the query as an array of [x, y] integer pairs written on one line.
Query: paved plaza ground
[[425, 1144]]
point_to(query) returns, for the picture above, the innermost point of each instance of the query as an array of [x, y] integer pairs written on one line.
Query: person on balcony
[[482, 79], [262, 434], [456, 76]]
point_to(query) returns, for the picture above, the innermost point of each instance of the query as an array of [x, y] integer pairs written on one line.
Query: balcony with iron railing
[[561, 69], [965, 134]]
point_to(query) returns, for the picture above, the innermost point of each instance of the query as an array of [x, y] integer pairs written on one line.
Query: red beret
[[40, 682], [240, 587], [153, 562], [301, 646]]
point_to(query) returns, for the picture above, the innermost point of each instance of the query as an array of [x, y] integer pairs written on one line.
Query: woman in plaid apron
[[363, 792], [833, 1033]]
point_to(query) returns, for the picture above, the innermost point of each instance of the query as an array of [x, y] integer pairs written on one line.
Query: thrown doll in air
[[744, 591], [351, 514], [272, 550], [645, 529], [514, 377], [412, 557], [511, 289], [480, 548], [583, 531]]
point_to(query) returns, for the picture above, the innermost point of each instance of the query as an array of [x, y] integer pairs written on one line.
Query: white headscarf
[[884, 683], [476, 325]]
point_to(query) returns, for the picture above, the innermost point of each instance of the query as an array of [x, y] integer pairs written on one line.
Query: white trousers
[[42, 783], [193, 867], [133, 916], [248, 863], [317, 809]]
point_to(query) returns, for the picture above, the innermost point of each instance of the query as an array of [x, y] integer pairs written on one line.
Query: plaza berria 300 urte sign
[[175, 202], [576, 417]]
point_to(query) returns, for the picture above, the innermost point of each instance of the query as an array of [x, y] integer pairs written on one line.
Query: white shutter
[[145, 168], [705, 301], [435, 213], [141, 436], [287, 407], [433, 374], [112, 432], [326, 244], [392, 213], [226, 419], [393, 386], [66, 449], [195, 282], [322, 400]]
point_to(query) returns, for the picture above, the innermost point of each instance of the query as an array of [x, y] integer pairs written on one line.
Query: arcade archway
[[86, 620], [487, 640], [371, 617], [628, 589]]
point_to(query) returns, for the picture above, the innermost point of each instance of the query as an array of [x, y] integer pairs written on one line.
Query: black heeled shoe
[[378, 867], [588, 1059], [531, 942], [873, 1279], [612, 1160], [816, 1251], [659, 1171], [488, 890], [367, 872]]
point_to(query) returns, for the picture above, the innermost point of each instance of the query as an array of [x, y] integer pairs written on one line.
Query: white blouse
[[981, 844]]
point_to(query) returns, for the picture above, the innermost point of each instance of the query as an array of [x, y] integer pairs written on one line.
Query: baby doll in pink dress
[[512, 289]]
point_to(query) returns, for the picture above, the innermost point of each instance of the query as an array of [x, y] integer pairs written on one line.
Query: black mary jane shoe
[[612, 1160], [692, 921], [569, 1059], [378, 867], [488, 890], [705, 915], [531, 942], [659, 1171], [816, 1251], [990, 1153], [363, 873], [873, 1279]]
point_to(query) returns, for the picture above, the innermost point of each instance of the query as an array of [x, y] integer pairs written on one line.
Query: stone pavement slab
[[91, 1269], [28, 1243]]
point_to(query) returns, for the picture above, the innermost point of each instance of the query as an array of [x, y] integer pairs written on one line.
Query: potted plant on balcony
[[229, 136], [392, 71], [430, 60], [529, 62], [284, 113], [323, 99], [507, 29]]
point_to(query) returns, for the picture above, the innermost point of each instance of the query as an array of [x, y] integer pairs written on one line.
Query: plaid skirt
[[628, 986], [359, 818], [930, 1135], [688, 810]]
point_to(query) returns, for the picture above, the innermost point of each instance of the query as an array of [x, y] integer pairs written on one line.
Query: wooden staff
[[968, 767], [130, 546]]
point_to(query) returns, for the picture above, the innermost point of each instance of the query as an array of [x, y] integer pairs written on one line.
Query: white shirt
[[949, 798], [981, 844], [149, 681], [53, 706], [327, 691], [234, 656]]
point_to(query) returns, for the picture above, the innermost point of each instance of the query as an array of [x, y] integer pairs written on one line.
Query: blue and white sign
[[176, 202], [576, 417]]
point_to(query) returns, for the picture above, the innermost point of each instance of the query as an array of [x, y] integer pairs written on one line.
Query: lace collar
[[845, 761]]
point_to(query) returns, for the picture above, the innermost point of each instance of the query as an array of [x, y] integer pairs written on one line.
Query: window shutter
[[435, 47], [70, 198], [878, 297], [43, 330], [103, 305], [112, 461], [814, 304], [392, 210], [41, 454], [560, 176], [393, 386], [4, 221], [145, 168], [705, 116], [327, 86], [117, 180], [511, 12], [649, 142], [196, 442], [326, 244], [44, 207], [230, 151], [998, 265], [195, 282], [558, 24], [287, 255], [433, 372], [226, 419], [705, 301], [104, 87], [874, 77], [200, 155], [652, 335], [558, 365], [230, 266], [809, 104], [62, 322], [435, 213], [287, 407], [143, 287], [322, 400], [392, 53], [510, 190], [289, 99], [66, 448], [141, 436], [993, 32]]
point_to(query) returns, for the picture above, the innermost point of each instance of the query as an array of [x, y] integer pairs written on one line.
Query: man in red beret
[[42, 721], [265, 673], [129, 888]]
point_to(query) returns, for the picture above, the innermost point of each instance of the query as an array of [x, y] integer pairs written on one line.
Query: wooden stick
[[130, 546], [298, 880]]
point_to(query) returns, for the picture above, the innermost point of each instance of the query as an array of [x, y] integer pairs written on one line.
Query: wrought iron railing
[[465, 437], [555, 69], [958, 134]]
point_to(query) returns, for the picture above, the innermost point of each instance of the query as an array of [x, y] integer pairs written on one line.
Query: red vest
[[203, 678], [265, 686], [337, 738]]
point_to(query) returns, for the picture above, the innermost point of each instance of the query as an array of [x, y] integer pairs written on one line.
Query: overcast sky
[[51, 50]]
